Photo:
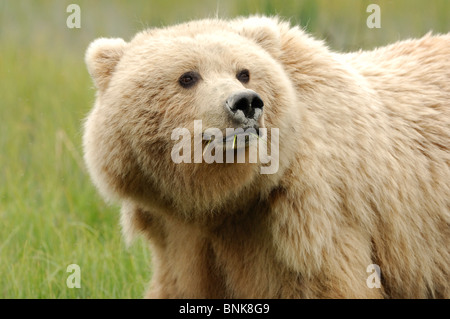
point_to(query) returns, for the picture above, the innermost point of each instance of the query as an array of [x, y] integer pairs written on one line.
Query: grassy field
[[50, 214]]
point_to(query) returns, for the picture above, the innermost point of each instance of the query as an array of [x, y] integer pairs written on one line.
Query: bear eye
[[243, 76], [189, 79]]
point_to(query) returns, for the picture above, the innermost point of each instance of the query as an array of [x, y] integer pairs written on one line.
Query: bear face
[[167, 79]]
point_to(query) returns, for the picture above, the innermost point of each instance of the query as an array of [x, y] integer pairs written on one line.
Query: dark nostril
[[243, 104], [257, 103]]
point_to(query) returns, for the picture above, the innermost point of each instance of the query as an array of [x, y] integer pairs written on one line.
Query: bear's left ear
[[265, 31], [101, 59]]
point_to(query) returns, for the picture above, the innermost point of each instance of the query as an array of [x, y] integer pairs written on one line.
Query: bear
[[358, 205]]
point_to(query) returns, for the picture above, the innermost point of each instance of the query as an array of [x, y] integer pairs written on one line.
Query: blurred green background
[[50, 214]]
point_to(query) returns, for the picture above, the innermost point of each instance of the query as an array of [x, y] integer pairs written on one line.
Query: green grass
[[50, 214], [49, 211]]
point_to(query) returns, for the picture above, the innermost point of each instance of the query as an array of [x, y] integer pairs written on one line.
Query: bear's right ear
[[101, 59]]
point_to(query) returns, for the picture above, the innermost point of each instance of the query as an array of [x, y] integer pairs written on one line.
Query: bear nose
[[245, 105]]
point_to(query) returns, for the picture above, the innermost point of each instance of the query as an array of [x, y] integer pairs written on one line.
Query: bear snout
[[245, 107]]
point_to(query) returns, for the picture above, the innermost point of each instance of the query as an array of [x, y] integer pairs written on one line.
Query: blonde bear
[[358, 205]]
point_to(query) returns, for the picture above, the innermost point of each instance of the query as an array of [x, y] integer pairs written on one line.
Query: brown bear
[[357, 204]]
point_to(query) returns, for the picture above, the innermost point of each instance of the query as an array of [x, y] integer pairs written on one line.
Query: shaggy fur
[[364, 172]]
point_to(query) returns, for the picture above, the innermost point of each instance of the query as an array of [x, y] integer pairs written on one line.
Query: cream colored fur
[[364, 173]]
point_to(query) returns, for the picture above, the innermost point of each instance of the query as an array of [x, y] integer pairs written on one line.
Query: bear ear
[[264, 31], [101, 59]]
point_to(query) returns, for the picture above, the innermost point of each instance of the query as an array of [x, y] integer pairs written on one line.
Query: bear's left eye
[[189, 79], [243, 76]]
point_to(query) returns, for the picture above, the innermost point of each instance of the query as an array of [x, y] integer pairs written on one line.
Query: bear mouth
[[234, 141]]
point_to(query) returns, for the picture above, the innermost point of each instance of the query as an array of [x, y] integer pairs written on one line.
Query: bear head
[[226, 75]]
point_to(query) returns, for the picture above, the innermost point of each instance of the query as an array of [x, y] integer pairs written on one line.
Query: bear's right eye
[[189, 79]]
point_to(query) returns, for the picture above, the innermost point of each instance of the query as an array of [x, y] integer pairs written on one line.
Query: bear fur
[[364, 162]]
